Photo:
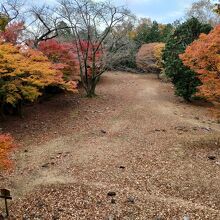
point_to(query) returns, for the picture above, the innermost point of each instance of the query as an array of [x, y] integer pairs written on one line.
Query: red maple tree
[[12, 33], [63, 57]]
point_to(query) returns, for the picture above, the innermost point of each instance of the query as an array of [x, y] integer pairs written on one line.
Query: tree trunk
[[18, 109], [158, 75], [91, 94], [2, 114], [91, 90]]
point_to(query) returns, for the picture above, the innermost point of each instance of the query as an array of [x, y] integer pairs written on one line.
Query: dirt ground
[[134, 152]]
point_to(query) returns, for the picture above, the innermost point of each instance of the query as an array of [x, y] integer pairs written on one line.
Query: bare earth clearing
[[154, 156]]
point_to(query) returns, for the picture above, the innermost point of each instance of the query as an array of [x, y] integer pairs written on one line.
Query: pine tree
[[184, 79]]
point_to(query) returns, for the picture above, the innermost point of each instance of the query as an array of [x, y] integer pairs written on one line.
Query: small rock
[[197, 118], [111, 217], [186, 218], [211, 157], [122, 167], [206, 129], [40, 204], [25, 150], [113, 201], [218, 163], [46, 165], [99, 202], [55, 217], [131, 199], [25, 217], [181, 128], [103, 131], [111, 193]]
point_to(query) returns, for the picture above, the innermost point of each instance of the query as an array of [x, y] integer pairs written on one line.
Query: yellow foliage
[[217, 8], [132, 35], [24, 72], [158, 53], [149, 57], [3, 22]]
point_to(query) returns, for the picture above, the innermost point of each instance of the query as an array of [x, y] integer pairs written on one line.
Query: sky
[[163, 11]]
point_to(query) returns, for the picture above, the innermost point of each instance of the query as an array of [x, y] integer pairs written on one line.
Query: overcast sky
[[164, 11]]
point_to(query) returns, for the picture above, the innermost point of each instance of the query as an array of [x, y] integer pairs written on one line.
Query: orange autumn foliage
[[25, 72], [203, 57], [6, 146]]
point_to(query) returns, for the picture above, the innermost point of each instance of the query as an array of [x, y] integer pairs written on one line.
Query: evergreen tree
[[63, 30], [154, 33], [142, 34], [184, 79], [166, 32]]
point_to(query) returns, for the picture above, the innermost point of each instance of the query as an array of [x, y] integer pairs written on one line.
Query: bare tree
[[121, 47], [44, 24], [39, 21], [91, 22], [12, 9], [217, 8], [203, 10]]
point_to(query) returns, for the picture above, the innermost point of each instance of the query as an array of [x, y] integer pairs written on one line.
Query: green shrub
[[184, 79]]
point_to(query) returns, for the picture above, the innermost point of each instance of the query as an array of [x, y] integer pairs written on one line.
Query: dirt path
[[136, 139]]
